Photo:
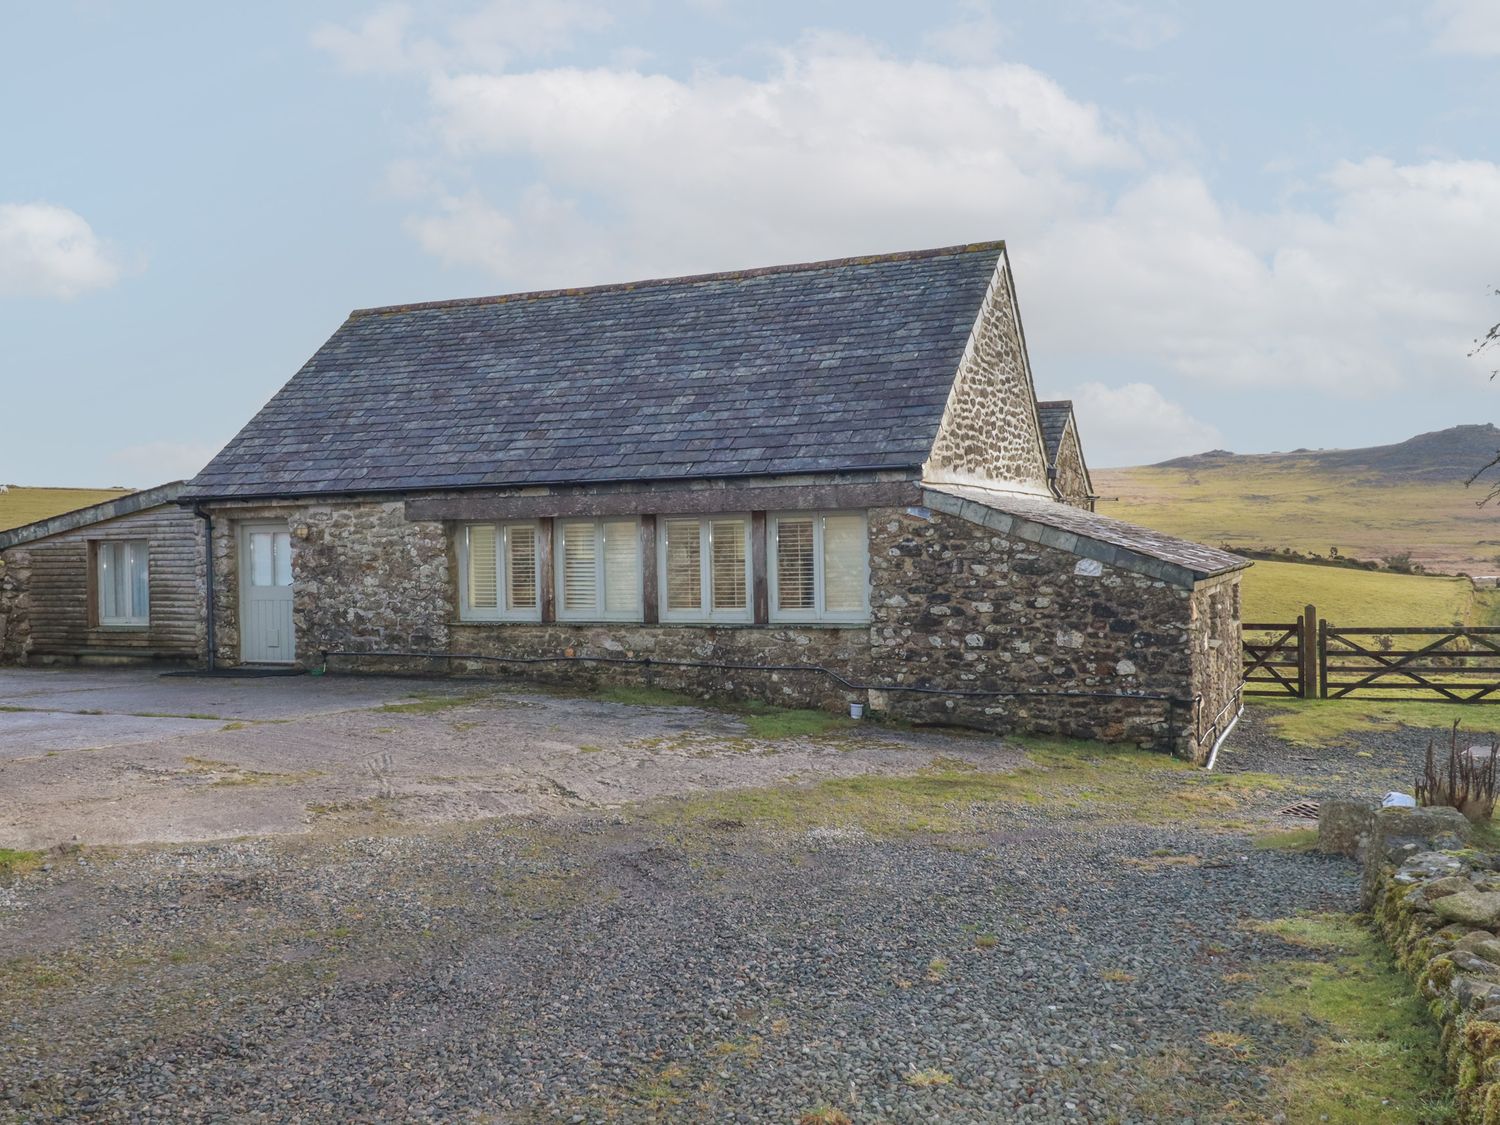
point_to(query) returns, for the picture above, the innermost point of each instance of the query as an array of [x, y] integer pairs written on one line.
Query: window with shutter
[[580, 570], [820, 570], [705, 568], [727, 542], [484, 567], [622, 568], [599, 570], [520, 568], [845, 558], [795, 573], [683, 569], [497, 572]]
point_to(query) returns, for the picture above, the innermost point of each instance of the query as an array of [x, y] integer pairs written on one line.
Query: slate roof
[[1087, 534], [1054, 418], [828, 366]]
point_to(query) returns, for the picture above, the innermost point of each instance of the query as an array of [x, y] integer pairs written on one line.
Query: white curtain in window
[[124, 581]]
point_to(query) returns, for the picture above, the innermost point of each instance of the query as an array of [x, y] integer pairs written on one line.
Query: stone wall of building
[[362, 577], [15, 604], [989, 430], [967, 627], [1070, 476], [1088, 650], [1217, 654]]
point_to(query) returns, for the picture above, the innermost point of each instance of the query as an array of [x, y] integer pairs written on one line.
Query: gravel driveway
[[990, 937]]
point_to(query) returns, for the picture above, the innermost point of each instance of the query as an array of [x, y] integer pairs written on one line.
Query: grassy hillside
[[1277, 591], [19, 506], [1369, 503]]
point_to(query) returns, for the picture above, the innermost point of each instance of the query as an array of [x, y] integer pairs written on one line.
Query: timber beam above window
[[685, 501]]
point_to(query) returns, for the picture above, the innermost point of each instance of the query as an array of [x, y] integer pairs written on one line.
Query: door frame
[[242, 558]]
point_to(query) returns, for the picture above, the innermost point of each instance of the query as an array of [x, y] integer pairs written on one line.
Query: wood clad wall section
[[59, 589]]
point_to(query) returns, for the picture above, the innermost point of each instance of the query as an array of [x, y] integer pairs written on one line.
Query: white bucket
[[856, 710]]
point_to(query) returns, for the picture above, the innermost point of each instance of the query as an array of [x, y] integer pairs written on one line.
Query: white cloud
[[156, 462], [1466, 27], [839, 149], [50, 251], [394, 37], [1376, 290], [1134, 425]]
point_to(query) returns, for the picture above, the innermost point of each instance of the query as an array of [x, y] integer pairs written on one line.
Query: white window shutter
[[483, 565], [520, 567], [728, 541], [844, 551], [580, 579], [795, 577], [622, 567], [684, 576]]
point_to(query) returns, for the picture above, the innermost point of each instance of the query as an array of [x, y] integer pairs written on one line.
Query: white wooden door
[[266, 595]]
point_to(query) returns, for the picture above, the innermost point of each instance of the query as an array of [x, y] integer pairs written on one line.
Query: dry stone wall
[[1436, 902], [989, 430]]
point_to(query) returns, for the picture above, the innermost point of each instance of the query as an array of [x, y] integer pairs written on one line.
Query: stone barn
[[813, 484]]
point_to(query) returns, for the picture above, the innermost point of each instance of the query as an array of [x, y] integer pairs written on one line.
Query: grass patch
[[1095, 782], [1292, 840], [927, 1079], [16, 862], [1323, 722], [1278, 591], [1373, 1053], [762, 720]]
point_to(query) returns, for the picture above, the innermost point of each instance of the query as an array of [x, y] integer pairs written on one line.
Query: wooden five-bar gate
[[1309, 657]]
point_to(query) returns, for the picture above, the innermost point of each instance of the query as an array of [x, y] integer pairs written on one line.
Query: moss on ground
[[1323, 722], [1372, 1054], [16, 862]]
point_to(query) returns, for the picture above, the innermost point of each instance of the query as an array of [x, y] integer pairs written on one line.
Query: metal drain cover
[[1307, 810]]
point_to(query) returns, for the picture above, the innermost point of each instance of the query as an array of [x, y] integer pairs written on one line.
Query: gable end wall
[[990, 433]]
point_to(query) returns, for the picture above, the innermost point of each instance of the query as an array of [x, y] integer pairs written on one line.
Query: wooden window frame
[[559, 564], [706, 613], [819, 614], [96, 587], [467, 614]]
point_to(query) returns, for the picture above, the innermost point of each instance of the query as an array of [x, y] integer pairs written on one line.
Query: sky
[[1253, 226]]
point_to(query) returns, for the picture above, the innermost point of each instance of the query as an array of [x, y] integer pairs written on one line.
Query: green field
[[20, 506], [1277, 591], [1274, 502]]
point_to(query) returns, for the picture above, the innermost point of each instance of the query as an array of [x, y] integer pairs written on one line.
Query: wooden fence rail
[[1309, 657], [1278, 656], [1460, 664]]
